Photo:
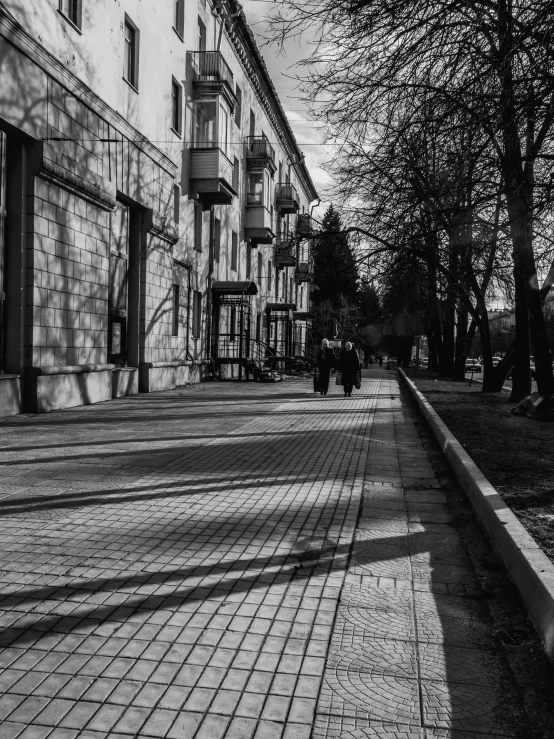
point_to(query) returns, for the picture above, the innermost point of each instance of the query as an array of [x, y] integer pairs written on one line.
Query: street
[[249, 560]]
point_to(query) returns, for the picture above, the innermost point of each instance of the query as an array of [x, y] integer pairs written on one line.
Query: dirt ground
[[516, 454]]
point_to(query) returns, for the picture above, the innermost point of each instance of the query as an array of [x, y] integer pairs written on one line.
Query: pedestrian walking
[[349, 365], [325, 363]]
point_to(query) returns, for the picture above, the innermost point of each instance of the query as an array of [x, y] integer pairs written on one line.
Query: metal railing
[[259, 146], [228, 346], [285, 254], [209, 66], [304, 225], [286, 191], [264, 354]]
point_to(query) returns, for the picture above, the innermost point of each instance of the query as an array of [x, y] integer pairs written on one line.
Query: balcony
[[287, 198], [260, 154], [304, 226], [211, 177], [212, 75], [303, 273], [257, 227], [284, 256]]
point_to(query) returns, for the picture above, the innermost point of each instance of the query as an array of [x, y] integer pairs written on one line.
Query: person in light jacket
[[325, 363], [349, 365]]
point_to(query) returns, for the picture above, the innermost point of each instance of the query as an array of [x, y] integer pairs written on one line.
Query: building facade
[[154, 204]]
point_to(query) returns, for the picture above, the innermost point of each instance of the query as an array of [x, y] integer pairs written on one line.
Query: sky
[[281, 68]]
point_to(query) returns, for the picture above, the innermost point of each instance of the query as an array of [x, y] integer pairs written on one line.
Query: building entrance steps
[[235, 561]]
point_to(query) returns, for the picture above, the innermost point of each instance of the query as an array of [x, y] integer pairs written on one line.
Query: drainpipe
[[209, 295], [314, 205], [189, 353]]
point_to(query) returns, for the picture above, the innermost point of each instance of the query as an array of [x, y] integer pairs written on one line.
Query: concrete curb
[[526, 563]]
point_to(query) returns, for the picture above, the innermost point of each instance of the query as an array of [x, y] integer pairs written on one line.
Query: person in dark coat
[[325, 363], [349, 365]]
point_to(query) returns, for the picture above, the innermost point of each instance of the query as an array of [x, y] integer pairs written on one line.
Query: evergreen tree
[[335, 270], [369, 303]]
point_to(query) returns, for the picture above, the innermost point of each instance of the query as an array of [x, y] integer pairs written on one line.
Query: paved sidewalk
[[242, 561]]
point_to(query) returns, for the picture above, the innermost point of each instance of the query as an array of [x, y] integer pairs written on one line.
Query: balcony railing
[[210, 66], [284, 255], [258, 226], [286, 191], [287, 198], [303, 272], [304, 225], [258, 147], [211, 176], [213, 74]]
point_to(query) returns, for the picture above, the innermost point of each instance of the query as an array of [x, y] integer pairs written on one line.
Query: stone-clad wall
[[159, 274], [69, 278]]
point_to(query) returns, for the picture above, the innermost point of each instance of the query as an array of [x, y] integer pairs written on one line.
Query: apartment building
[[154, 204]]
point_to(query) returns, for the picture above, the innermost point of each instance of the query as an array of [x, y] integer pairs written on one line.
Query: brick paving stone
[[239, 561]]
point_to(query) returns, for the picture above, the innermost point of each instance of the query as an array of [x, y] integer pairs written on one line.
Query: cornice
[[18, 37], [161, 226], [65, 172]]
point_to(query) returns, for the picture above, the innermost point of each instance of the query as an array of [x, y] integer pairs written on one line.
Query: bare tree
[[489, 61]]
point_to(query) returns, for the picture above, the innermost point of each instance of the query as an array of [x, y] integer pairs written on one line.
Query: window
[[260, 267], [252, 123], [71, 9], [224, 138], [234, 250], [238, 106], [196, 313], [236, 175], [269, 275], [175, 329], [201, 38], [258, 327], [254, 196], [198, 222], [217, 239], [176, 106], [176, 203], [248, 261], [233, 324], [205, 119], [130, 60], [179, 17]]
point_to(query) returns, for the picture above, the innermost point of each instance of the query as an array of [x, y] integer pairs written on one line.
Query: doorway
[[118, 295]]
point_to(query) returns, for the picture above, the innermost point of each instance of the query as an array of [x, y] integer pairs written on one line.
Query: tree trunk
[[521, 374], [449, 313], [519, 179], [461, 344]]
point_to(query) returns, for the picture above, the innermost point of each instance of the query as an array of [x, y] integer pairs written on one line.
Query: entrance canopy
[[280, 307], [235, 288]]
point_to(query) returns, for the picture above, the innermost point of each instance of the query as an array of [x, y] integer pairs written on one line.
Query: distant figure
[[349, 365], [325, 363], [380, 360]]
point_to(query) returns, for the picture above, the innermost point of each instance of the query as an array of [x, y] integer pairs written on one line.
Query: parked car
[[496, 361], [472, 365]]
